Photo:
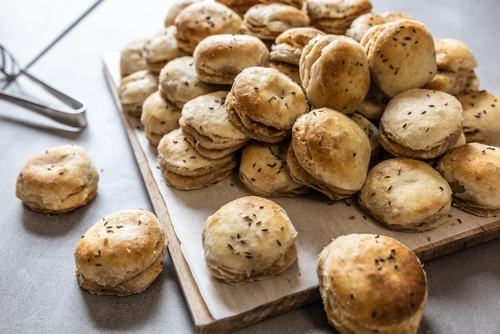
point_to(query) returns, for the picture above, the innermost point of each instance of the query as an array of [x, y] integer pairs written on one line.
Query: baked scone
[[371, 284], [391, 16], [202, 19], [131, 59], [481, 117], [289, 44], [121, 254], [263, 170], [264, 103], [334, 66], [370, 130], [406, 195], [206, 124], [159, 117], [473, 172], [219, 59], [58, 180], [268, 21], [362, 23], [184, 168], [421, 124], [291, 71], [161, 48], [248, 239], [175, 9], [295, 3], [239, 6], [401, 56], [374, 104], [335, 16], [456, 64], [329, 152], [134, 89], [179, 82]]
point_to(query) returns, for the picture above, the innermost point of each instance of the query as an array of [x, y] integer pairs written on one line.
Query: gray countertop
[[38, 289]]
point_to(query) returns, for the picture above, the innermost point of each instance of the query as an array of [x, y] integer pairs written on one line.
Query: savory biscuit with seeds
[[406, 195], [131, 59], [175, 9], [371, 284], [263, 170], [203, 19], [370, 130], [134, 89], [288, 45], [400, 55], [421, 124], [184, 168], [374, 104], [121, 254], [58, 180], [362, 23], [159, 117], [473, 172], [239, 6], [334, 66], [206, 124], [291, 71], [219, 59], [248, 239]]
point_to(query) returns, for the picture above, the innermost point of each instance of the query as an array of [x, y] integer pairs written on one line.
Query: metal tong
[[74, 117]]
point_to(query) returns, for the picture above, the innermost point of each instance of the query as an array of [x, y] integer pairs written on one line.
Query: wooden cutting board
[[317, 219]]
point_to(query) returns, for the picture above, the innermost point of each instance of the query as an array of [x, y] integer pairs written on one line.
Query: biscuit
[[131, 59], [335, 16], [159, 117], [206, 125], [239, 6], [370, 130], [371, 284], [456, 64], [333, 150], [336, 66], [391, 16], [179, 82], [421, 124], [295, 3], [406, 195], [248, 239], [175, 9], [373, 105], [481, 117], [289, 44], [362, 23], [219, 59], [268, 21], [264, 103], [121, 254], [473, 172], [184, 168], [400, 55], [291, 71], [58, 180], [263, 170], [161, 48], [134, 89], [203, 19]]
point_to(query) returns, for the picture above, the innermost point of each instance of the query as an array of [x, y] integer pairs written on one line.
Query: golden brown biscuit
[[264, 103], [473, 172], [134, 89], [336, 66], [392, 16], [248, 239], [58, 180], [362, 23], [131, 59], [370, 130], [219, 59], [121, 254], [295, 3], [239, 6], [335, 16], [263, 170], [159, 117], [175, 9], [371, 284], [203, 19], [289, 44], [481, 113], [333, 150], [268, 21], [421, 124], [291, 71], [373, 105], [401, 56], [406, 195]]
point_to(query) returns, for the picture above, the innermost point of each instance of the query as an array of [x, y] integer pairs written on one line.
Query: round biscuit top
[[136, 87], [120, 246], [288, 45], [401, 55], [332, 147], [267, 96], [453, 55], [248, 233], [334, 65], [473, 172], [336, 9], [175, 9], [421, 119], [131, 59], [374, 280], [162, 47], [362, 23]]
